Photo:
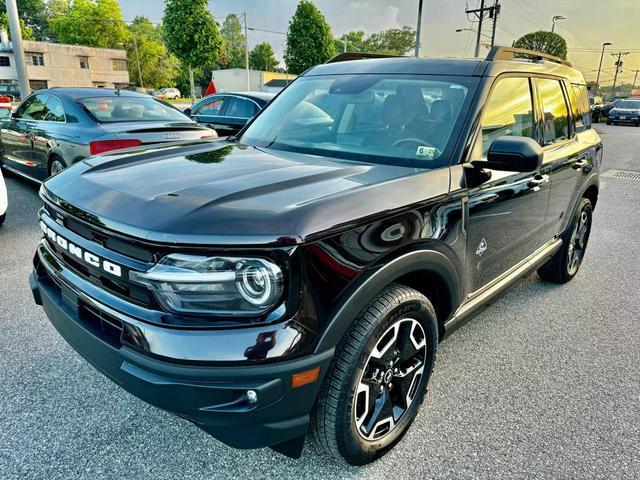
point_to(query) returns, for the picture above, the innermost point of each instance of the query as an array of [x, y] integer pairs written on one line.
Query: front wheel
[[56, 166], [378, 378], [564, 265]]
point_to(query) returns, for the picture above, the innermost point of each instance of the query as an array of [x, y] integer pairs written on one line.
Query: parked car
[[54, 128], [301, 275], [3, 200], [607, 107], [167, 94], [596, 105], [227, 113], [625, 111], [11, 90]]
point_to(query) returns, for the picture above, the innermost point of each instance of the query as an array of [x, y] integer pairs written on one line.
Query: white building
[[235, 80]]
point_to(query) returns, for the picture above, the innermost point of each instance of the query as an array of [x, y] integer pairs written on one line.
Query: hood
[[227, 194]]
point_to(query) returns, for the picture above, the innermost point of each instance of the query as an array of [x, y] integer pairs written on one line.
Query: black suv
[[299, 276]]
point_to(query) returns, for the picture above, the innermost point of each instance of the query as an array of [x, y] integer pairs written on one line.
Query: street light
[[604, 45], [458, 30], [554, 20]]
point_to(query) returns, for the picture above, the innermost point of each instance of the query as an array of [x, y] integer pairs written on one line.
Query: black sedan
[[54, 128], [227, 113]]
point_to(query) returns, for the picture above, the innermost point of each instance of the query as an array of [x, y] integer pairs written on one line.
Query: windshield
[[130, 109], [629, 104], [399, 119]]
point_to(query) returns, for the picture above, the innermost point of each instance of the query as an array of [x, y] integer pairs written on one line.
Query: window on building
[[556, 114], [33, 58], [119, 64], [5, 62], [509, 111], [84, 62], [38, 84]]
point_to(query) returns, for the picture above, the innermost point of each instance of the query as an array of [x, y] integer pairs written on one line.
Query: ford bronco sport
[[299, 276]]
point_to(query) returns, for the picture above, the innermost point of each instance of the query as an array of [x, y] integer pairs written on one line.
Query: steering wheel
[[419, 142]]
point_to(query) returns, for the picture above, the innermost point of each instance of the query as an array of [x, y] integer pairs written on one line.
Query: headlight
[[222, 286]]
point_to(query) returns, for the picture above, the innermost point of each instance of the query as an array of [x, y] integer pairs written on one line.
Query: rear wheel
[[377, 380], [56, 165], [3, 217], [564, 265]]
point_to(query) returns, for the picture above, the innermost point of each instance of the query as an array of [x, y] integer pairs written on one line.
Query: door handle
[[538, 181], [580, 163]]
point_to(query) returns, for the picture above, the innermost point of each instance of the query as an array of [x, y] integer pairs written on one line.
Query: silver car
[[55, 128]]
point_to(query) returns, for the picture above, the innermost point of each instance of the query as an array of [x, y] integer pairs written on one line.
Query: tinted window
[[509, 111], [241, 108], [130, 109], [34, 109], [629, 104], [556, 115], [212, 106], [392, 119], [55, 110], [580, 107]]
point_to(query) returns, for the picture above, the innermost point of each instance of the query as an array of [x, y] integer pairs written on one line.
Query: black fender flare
[[418, 257]]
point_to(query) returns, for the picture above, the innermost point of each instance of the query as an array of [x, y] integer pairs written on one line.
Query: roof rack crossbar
[[509, 53], [346, 56]]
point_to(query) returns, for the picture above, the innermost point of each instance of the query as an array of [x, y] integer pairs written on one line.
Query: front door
[[210, 112], [506, 209]]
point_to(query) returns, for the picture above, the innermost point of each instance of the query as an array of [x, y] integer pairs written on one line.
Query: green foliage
[[309, 40], [33, 18], [356, 42], [394, 41], [158, 67], [262, 57], [191, 33], [234, 42], [94, 23], [544, 42], [27, 33]]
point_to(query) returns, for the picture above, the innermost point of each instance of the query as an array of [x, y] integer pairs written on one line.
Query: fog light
[[252, 397]]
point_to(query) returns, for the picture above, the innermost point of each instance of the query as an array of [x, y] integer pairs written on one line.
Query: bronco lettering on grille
[[81, 254]]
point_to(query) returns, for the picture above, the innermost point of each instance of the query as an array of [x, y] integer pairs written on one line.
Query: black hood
[[227, 194]]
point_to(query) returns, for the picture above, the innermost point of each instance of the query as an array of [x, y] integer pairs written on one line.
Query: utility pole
[[618, 68], [418, 28], [604, 45], [18, 49], [246, 50], [635, 77], [481, 13], [135, 44]]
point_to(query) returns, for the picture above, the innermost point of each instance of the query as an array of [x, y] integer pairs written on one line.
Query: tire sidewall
[[356, 448], [584, 205]]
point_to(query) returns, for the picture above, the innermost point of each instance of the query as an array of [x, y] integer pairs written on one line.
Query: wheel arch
[[54, 154], [431, 271], [591, 193]]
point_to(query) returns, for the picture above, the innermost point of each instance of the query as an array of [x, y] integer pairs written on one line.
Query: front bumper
[[213, 397]]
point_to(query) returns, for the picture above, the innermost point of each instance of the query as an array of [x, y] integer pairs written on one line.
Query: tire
[[56, 165], [561, 267], [609, 122], [343, 416]]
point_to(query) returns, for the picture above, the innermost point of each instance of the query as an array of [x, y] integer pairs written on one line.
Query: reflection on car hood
[[191, 193]]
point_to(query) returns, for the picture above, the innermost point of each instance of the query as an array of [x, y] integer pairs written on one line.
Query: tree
[[157, 66], [234, 42], [262, 57], [544, 42], [94, 23], [191, 34], [394, 41], [356, 42], [309, 40], [27, 33], [32, 16]]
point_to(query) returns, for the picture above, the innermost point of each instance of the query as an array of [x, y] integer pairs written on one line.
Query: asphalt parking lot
[[544, 384]]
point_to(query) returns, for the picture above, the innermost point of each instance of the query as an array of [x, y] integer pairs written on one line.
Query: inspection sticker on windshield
[[425, 151]]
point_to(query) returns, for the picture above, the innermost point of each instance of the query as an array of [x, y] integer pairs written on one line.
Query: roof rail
[[509, 53], [346, 56]]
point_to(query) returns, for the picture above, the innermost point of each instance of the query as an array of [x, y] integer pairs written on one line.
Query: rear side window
[[555, 113], [241, 108], [55, 110], [581, 109], [509, 111]]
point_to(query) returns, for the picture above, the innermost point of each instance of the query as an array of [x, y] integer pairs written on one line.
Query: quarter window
[[555, 114], [583, 120], [509, 111]]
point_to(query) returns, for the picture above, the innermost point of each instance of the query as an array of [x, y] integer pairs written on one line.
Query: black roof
[[278, 82]]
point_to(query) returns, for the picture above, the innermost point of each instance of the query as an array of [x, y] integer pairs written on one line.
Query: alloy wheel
[[390, 379], [578, 243], [56, 167]]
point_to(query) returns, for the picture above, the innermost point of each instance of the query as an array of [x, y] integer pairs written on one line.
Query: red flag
[[211, 89]]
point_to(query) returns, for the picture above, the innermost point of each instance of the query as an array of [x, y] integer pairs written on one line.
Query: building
[[58, 65], [235, 80]]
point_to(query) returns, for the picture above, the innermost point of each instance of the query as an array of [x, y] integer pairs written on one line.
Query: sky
[[589, 23]]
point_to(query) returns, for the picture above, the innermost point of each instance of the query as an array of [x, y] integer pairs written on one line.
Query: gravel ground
[[544, 384]]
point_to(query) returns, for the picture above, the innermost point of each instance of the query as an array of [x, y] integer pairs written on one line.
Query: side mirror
[[14, 114], [187, 111], [513, 154]]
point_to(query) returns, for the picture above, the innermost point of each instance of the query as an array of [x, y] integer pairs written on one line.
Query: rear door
[[506, 209], [238, 112], [564, 154], [17, 136]]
